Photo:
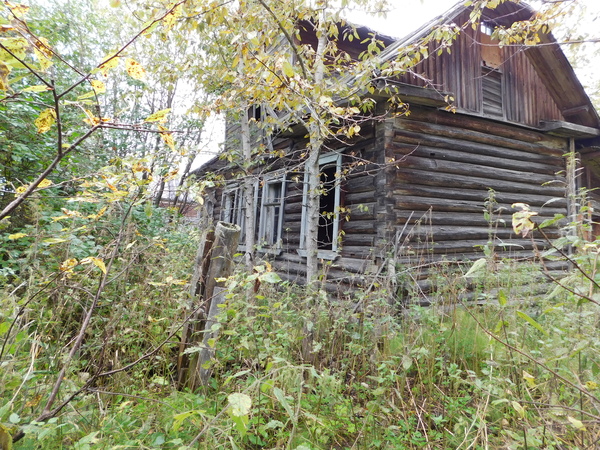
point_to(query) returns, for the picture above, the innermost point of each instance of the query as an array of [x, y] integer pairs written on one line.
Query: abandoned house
[[414, 189]]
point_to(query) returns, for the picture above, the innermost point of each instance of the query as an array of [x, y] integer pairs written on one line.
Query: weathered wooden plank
[[485, 131], [498, 160], [354, 198], [458, 205], [358, 226], [429, 134], [425, 177], [502, 198], [451, 218], [452, 167], [441, 234], [364, 183]]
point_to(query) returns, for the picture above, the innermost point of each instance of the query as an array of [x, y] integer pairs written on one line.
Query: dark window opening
[[327, 211], [255, 112]]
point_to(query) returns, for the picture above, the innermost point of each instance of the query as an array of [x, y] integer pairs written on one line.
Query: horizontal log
[[358, 226], [364, 183], [453, 247], [439, 204], [425, 177], [428, 218], [498, 160], [502, 198], [439, 234], [419, 133], [458, 168], [355, 198], [482, 129]]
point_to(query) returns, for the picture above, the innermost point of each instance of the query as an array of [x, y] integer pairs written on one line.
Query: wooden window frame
[[266, 240], [232, 201], [326, 159], [485, 71]]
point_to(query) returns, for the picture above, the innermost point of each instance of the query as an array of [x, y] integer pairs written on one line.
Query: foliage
[[93, 276]]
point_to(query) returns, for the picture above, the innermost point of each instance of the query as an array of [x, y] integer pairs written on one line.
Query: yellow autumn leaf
[[171, 18], [67, 265], [16, 236], [288, 70], [17, 9], [43, 46], [45, 120], [98, 214], [98, 86], [158, 116], [110, 64], [4, 71], [18, 47], [134, 69], [86, 95], [167, 138], [95, 261], [36, 88], [93, 120], [45, 183]]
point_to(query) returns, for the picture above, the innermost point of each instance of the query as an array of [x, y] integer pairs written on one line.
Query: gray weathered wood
[[215, 264]]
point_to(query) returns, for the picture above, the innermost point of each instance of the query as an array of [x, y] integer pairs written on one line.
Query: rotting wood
[[466, 143], [498, 160], [214, 265], [408, 176]]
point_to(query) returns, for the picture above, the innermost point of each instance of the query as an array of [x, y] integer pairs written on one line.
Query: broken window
[[330, 168], [271, 210]]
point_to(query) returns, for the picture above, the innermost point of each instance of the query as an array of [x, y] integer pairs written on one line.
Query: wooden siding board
[[443, 171]]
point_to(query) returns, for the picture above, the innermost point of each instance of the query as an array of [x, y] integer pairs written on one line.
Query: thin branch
[[28, 67], [287, 36], [124, 47], [32, 187], [531, 358]]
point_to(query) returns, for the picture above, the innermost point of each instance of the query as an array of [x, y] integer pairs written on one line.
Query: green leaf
[[518, 408], [239, 404], [288, 70], [578, 424], [270, 277], [179, 418], [280, 396], [532, 322], [158, 116], [502, 300], [477, 267]]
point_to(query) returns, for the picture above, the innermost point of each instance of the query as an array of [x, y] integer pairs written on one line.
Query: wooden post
[[213, 261]]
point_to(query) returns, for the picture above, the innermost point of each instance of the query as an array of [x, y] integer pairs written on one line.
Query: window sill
[[328, 255], [269, 251]]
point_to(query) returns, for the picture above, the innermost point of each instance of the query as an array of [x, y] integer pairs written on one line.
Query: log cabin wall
[[526, 98], [445, 165], [361, 223]]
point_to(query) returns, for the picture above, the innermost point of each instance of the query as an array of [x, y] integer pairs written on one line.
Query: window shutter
[[491, 83]]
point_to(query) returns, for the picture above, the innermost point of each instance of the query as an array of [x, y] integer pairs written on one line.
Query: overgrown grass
[[516, 372]]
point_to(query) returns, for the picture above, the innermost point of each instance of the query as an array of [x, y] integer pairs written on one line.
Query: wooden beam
[[567, 129]]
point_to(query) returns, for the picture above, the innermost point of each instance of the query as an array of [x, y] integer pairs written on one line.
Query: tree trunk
[[213, 262], [248, 197], [312, 165]]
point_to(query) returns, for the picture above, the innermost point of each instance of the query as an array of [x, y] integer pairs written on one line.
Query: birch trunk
[[312, 163], [248, 186], [248, 197]]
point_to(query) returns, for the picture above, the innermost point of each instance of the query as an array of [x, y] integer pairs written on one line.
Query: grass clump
[[513, 372]]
